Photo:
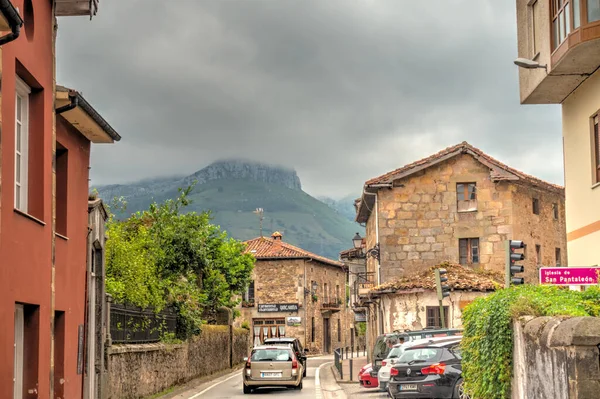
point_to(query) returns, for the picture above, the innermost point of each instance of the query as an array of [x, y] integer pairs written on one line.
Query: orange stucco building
[[46, 132]]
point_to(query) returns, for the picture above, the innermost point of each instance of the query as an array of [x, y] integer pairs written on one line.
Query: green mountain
[[233, 190]]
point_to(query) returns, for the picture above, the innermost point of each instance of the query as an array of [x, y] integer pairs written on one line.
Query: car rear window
[[395, 352], [271, 355], [420, 355]]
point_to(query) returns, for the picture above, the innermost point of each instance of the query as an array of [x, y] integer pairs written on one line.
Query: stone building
[[460, 205], [295, 293]]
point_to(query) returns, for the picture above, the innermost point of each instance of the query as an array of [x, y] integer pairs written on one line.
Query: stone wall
[[556, 358], [420, 224], [542, 229], [137, 371]]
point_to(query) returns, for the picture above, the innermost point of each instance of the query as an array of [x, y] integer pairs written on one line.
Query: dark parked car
[[385, 343], [428, 371], [297, 347]]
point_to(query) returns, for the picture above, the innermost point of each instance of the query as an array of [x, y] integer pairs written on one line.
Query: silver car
[[272, 366]]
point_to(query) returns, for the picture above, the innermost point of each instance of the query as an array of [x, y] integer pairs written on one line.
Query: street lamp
[[373, 252], [529, 64], [357, 241]]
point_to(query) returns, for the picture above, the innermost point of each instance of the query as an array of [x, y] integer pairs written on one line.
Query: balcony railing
[[363, 284], [332, 303]]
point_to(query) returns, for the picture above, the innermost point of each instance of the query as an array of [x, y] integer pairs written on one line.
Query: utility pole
[[260, 212]]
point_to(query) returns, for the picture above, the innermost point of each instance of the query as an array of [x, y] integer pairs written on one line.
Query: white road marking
[[213, 385]]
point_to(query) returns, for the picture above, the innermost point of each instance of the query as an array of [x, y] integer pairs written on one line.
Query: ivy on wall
[[487, 344]]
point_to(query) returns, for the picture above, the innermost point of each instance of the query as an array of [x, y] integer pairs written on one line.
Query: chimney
[[277, 236]]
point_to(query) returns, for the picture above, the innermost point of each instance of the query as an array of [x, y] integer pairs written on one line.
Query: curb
[[329, 387]]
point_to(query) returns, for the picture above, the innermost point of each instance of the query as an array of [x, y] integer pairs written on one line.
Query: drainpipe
[[14, 19], [68, 107]]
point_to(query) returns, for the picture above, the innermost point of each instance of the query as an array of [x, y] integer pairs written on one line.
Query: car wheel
[[459, 391], [299, 387], [247, 389]]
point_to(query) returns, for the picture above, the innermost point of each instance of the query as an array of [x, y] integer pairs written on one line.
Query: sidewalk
[[350, 368], [327, 386]]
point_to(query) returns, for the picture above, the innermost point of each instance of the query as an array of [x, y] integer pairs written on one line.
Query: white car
[[383, 376]]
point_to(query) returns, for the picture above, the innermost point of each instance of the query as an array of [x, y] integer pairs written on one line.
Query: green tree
[[162, 257]]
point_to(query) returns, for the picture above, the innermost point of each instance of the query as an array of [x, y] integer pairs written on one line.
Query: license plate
[[270, 375], [407, 387]]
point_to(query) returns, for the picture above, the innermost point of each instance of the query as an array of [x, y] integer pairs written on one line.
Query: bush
[[487, 343], [246, 325]]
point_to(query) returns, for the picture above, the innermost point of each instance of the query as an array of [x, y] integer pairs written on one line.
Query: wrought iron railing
[[364, 282], [134, 325], [332, 303]]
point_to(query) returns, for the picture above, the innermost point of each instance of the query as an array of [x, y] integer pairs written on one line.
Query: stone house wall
[[420, 224], [283, 281], [138, 371], [542, 229], [556, 358], [408, 311]]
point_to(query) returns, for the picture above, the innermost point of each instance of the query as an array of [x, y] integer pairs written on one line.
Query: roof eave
[[82, 116]]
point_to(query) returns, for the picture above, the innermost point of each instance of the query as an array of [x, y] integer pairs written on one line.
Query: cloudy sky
[[340, 90]]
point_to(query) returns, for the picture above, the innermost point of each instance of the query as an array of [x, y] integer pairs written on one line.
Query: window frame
[[595, 147], [469, 258], [535, 206], [564, 11], [466, 204], [21, 149], [437, 316]]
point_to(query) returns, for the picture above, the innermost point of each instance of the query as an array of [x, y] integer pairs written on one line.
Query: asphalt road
[[230, 386]]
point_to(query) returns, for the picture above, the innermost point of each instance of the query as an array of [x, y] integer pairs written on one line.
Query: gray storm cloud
[[341, 91]]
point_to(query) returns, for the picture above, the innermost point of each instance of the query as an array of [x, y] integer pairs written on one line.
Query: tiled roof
[[499, 171], [459, 278], [269, 248]]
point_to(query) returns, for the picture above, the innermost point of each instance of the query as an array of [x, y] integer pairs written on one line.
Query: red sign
[[570, 275]]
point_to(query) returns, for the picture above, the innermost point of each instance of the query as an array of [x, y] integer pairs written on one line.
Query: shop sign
[[277, 307]]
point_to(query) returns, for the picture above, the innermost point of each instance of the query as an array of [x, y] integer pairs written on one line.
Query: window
[[596, 148], [433, 316], [466, 197], [561, 22], [325, 293], [555, 211], [576, 14], [557, 256], [62, 168], [249, 295], [538, 254], [21, 144], [536, 206], [535, 28], [593, 10], [468, 250], [339, 325], [312, 330]]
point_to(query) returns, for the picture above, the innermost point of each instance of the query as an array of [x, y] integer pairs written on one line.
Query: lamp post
[[529, 64], [373, 252]]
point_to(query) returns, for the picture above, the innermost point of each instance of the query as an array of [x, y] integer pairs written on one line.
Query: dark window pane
[[472, 191]]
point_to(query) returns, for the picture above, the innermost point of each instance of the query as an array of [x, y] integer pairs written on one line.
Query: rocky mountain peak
[[248, 170]]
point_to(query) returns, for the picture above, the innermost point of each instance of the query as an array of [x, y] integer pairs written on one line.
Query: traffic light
[[511, 258], [442, 291]]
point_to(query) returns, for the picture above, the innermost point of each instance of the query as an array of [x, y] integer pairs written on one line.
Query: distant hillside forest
[[233, 190]]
